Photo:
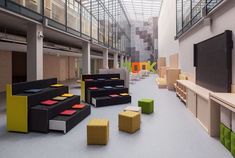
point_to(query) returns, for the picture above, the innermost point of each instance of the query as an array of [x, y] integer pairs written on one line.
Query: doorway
[[19, 67]]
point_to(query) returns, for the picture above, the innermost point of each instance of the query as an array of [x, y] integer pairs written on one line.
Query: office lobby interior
[[117, 78]]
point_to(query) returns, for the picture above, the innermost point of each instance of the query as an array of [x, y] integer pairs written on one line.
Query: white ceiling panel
[[142, 9]]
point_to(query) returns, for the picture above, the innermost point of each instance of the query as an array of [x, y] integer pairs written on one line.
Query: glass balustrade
[[104, 21]]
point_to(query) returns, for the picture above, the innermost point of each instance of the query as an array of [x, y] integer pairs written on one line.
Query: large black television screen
[[213, 62]]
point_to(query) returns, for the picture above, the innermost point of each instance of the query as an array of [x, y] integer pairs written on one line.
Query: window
[[73, 14], [34, 5]]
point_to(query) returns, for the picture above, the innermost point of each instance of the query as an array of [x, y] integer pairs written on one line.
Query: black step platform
[[104, 92], [107, 100], [66, 123], [47, 91], [98, 88], [41, 114], [101, 84], [44, 94]]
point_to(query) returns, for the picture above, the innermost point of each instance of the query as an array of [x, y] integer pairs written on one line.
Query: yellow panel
[[17, 112], [83, 91], [146, 64]]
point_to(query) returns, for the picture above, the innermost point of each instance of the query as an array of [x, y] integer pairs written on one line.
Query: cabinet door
[[203, 112], [192, 102]]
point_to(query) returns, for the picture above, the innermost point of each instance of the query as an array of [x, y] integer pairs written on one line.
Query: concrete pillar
[[86, 58], [115, 60], [121, 60], [34, 52], [106, 59]]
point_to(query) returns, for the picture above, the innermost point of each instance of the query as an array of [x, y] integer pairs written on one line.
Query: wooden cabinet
[[192, 102], [181, 91], [161, 62], [197, 101]]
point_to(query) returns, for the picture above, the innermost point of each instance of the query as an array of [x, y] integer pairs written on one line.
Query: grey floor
[[171, 132]]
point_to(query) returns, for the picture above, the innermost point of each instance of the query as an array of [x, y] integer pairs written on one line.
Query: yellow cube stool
[[129, 121], [98, 132]]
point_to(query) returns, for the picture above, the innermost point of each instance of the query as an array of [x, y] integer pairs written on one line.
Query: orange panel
[[136, 67]]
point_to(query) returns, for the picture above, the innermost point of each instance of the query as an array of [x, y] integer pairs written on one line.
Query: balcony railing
[[73, 18], [195, 13]]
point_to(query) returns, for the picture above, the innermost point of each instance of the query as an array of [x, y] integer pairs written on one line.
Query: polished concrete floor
[[171, 132]]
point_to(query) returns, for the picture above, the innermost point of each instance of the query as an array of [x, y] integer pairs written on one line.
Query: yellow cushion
[[183, 77], [67, 95], [114, 78], [124, 94], [57, 85], [59, 98], [161, 81]]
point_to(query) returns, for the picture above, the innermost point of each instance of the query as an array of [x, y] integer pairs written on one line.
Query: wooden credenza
[[196, 99]]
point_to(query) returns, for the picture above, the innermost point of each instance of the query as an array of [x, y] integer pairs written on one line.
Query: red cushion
[[88, 79], [114, 95], [93, 88], [49, 102], [78, 106], [68, 112]]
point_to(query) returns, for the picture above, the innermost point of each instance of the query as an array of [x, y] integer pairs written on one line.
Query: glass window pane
[[179, 15], [94, 28], [85, 22], [73, 14], [34, 5], [55, 9]]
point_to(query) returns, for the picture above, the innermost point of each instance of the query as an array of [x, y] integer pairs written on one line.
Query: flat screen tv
[[213, 62]]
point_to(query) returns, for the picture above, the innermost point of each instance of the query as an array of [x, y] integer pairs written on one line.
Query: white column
[[129, 59], [86, 58], [126, 59], [121, 60], [106, 59], [95, 66], [115, 60], [34, 52]]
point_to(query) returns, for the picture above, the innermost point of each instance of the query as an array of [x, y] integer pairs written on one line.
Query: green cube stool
[[147, 105], [233, 144]]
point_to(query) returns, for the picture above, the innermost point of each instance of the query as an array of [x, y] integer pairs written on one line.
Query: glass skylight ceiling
[[142, 9]]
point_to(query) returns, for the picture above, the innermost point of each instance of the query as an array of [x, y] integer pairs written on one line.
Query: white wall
[[222, 19], [167, 30]]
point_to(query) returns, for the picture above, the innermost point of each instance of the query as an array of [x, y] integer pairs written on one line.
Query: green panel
[[222, 133], [233, 144], [227, 138], [147, 105]]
